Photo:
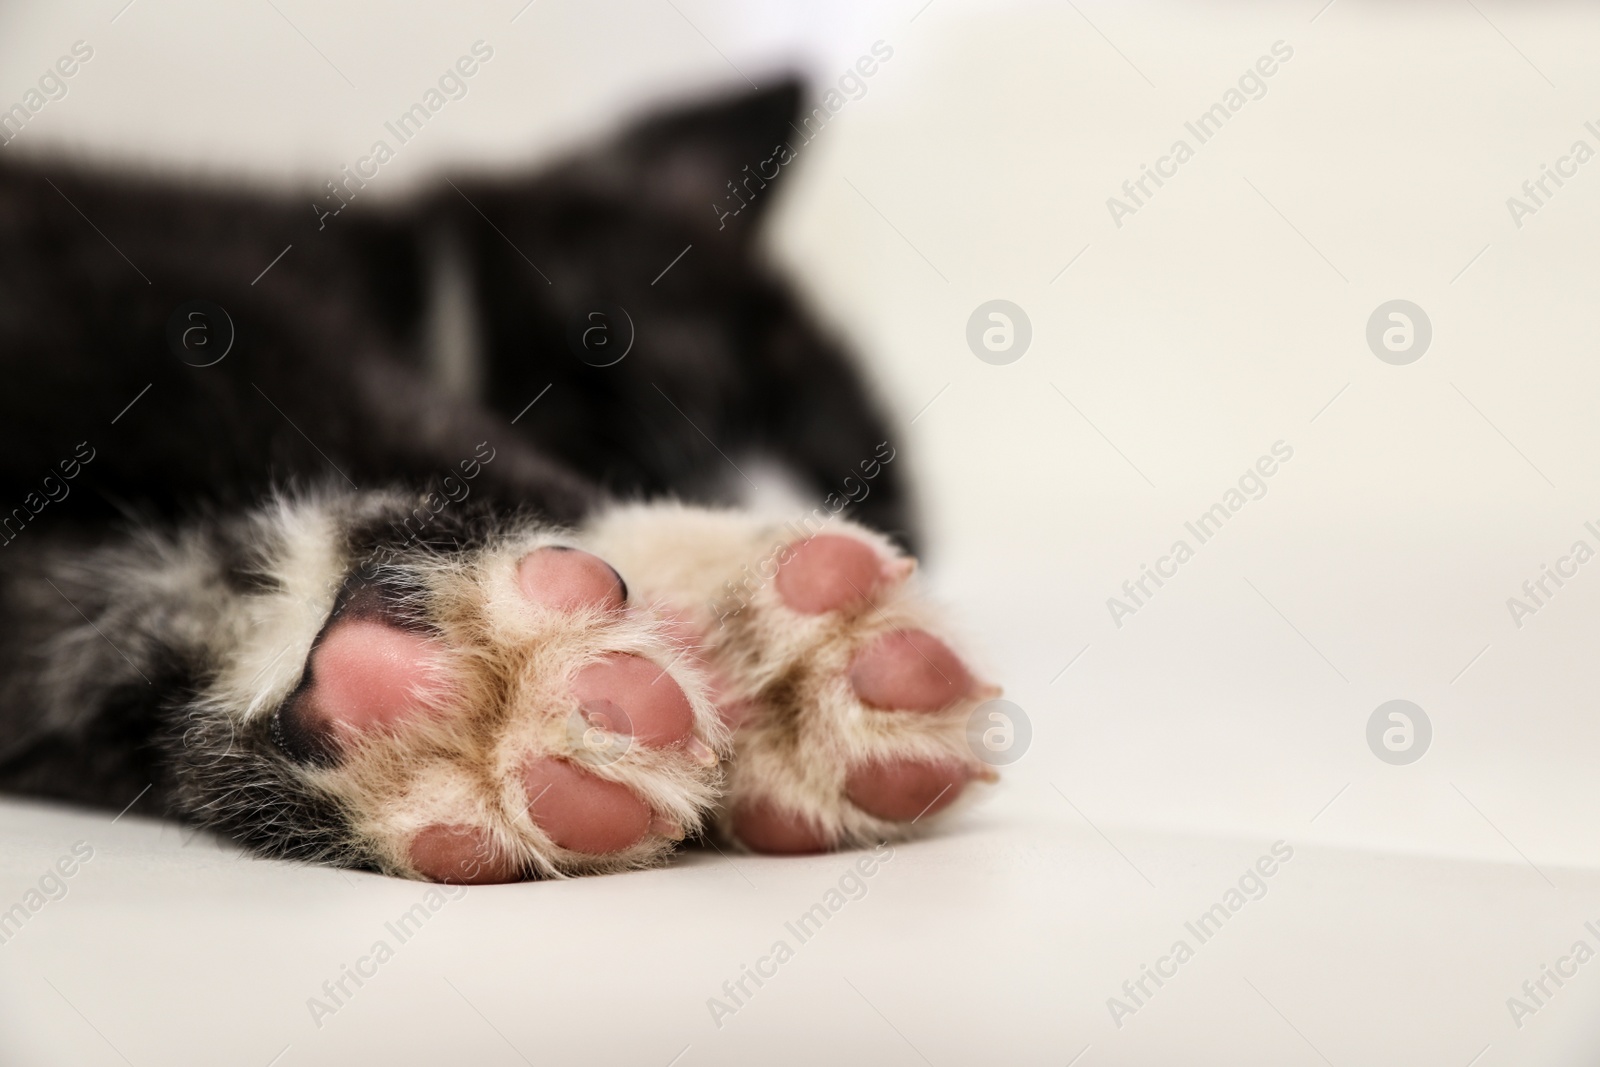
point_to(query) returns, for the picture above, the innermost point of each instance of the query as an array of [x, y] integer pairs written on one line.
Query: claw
[[668, 828], [898, 570], [701, 753]]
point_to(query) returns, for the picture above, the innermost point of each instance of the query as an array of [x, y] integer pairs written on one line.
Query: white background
[[1229, 313]]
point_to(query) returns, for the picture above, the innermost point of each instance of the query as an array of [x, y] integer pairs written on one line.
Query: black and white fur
[[174, 537]]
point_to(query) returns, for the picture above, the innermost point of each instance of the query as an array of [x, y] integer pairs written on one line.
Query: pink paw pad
[[909, 670], [460, 855], [905, 790], [627, 694], [581, 812], [830, 572], [365, 675], [568, 579], [765, 828]]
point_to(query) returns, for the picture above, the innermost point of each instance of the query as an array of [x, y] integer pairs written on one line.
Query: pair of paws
[[551, 704]]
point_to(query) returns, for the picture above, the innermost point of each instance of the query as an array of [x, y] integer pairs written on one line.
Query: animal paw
[[499, 713], [849, 711]]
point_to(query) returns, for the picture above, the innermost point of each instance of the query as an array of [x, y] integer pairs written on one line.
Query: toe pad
[[568, 579], [581, 812], [904, 790], [910, 670]]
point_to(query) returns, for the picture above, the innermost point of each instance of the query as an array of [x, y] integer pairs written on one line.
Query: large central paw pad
[[521, 726], [364, 675]]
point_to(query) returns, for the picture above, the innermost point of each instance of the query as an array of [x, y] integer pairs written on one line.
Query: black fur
[[328, 383]]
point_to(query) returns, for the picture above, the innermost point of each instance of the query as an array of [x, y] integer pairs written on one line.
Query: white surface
[[997, 943], [1222, 317]]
